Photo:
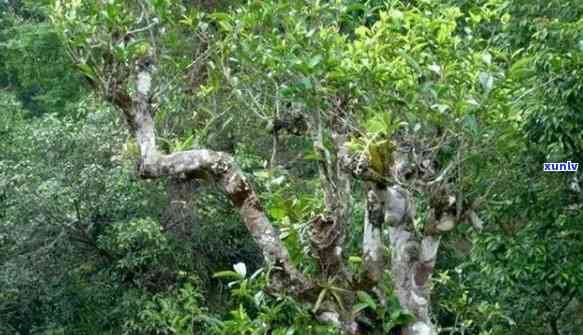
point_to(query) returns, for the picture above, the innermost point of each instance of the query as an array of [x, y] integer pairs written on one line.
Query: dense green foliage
[[87, 247]]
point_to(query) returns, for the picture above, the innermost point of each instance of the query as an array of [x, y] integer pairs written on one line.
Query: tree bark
[[329, 229], [373, 244], [412, 261]]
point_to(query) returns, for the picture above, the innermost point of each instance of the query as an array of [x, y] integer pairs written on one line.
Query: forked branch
[[210, 165]]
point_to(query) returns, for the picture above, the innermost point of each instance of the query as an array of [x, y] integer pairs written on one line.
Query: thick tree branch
[[329, 229], [216, 166]]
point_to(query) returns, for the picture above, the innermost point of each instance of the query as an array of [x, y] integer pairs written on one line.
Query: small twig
[[534, 88], [139, 30], [443, 173]]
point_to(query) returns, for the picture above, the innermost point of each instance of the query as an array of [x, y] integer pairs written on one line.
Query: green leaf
[[401, 317], [338, 299], [277, 213], [227, 274], [396, 14], [185, 144], [355, 145], [359, 307], [375, 124], [522, 69], [87, 70], [367, 299], [321, 297], [442, 108], [410, 60], [315, 61], [306, 84]]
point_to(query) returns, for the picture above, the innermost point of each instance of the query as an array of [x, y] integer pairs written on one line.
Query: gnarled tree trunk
[[412, 260], [389, 204]]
